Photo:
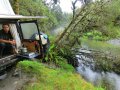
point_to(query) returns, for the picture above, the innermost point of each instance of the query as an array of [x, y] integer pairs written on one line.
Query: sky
[[66, 5]]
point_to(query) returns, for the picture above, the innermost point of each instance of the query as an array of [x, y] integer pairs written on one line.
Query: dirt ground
[[11, 81]]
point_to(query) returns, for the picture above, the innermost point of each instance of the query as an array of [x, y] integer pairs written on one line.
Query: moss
[[64, 65]]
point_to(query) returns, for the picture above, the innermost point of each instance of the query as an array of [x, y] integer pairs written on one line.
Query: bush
[[95, 35]]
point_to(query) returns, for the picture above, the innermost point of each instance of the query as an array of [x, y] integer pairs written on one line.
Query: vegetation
[[40, 8], [101, 46], [99, 16], [94, 20], [95, 35], [53, 78], [97, 20], [58, 56], [106, 56]]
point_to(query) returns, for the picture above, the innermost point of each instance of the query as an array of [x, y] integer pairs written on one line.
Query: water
[[114, 41], [3, 76], [110, 80], [57, 30]]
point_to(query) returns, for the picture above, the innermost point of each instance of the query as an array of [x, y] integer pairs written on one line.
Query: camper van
[[30, 41]]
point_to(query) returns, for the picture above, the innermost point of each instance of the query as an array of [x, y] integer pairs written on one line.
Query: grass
[[101, 46], [53, 78]]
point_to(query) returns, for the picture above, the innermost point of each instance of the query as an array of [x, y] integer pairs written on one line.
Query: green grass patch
[[53, 79], [101, 46]]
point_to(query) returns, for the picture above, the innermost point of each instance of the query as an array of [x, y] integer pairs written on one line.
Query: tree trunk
[[16, 6], [69, 26]]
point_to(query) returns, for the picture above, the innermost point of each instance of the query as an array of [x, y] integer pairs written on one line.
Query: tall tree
[[86, 1], [95, 16], [74, 7]]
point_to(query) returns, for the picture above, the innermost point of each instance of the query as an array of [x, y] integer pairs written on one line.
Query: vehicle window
[[28, 30]]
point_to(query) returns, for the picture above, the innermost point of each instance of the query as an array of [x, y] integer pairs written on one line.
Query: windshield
[[28, 30]]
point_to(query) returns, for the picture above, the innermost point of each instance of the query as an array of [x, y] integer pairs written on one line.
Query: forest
[[82, 56]]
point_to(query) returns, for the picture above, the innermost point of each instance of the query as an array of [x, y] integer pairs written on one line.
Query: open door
[[28, 31]]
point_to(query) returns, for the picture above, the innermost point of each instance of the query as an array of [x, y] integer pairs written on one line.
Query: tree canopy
[[97, 16]]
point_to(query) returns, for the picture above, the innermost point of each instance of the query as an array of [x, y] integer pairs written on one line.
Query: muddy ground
[[11, 80]]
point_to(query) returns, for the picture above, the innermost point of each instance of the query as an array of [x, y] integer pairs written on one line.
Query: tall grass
[[101, 46]]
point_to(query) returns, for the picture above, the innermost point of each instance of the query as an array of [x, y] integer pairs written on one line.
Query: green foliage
[[96, 19], [105, 16], [102, 18], [114, 31], [53, 79], [52, 55], [64, 65], [100, 46], [38, 8], [95, 35], [60, 56]]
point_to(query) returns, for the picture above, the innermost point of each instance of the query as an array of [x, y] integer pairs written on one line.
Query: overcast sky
[[67, 4]]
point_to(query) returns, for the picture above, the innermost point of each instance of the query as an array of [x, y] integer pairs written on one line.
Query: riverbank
[[106, 55], [49, 78], [99, 63]]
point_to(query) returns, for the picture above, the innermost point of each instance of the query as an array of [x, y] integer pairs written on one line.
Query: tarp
[[6, 11], [5, 8]]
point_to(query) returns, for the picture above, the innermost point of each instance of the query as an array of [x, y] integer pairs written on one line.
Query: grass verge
[[53, 78]]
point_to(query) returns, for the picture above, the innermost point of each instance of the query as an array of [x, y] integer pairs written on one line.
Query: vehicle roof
[[4, 16]]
